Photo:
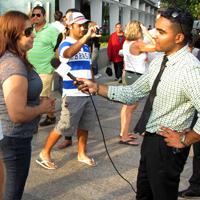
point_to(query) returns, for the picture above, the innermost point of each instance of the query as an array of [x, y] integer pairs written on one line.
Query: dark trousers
[[118, 69], [16, 154], [159, 170], [195, 178], [95, 70]]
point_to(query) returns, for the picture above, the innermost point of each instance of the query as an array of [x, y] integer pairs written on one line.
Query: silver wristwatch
[[182, 138]]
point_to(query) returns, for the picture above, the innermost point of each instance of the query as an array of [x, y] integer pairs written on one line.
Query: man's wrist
[[182, 139], [97, 90]]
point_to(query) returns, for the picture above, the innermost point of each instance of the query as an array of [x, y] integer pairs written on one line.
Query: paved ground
[[74, 180]]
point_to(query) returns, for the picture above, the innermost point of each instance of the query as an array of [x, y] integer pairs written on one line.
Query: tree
[[175, 3], [193, 6]]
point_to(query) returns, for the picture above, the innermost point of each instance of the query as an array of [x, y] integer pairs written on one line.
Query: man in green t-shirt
[[41, 54]]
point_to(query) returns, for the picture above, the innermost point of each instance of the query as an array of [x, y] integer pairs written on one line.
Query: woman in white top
[[134, 50]]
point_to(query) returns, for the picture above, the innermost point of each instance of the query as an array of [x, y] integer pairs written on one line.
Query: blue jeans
[[16, 154]]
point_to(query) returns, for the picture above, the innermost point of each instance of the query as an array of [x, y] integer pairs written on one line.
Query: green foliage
[[103, 44], [193, 6], [104, 38], [177, 3]]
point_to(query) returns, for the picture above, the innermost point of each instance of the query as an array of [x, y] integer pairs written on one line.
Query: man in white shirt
[[58, 16]]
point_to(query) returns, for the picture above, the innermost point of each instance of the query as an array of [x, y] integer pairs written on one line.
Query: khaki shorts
[[47, 84], [79, 113], [129, 78]]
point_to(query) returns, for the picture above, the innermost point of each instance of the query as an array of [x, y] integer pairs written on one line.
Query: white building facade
[[121, 11]]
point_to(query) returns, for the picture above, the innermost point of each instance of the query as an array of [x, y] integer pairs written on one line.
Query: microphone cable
[[106, 145], [55, 63]]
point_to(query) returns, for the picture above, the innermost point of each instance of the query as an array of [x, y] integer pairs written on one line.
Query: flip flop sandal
[[87, 161], [43, 164], [128, 142]]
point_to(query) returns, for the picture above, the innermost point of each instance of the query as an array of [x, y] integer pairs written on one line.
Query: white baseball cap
[[76, 17]]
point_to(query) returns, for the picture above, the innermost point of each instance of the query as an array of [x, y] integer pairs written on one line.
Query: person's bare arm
[[137, 47], [75, 48], [93, 79], [15, 94], [146, 32], [99, 89]]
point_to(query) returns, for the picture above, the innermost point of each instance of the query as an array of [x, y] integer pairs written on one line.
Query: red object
[[114, 46]]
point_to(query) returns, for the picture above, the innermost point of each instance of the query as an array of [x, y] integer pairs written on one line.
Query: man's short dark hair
[[72, 10], [58, 15], [117, 24], [40, 8], [184, 18]]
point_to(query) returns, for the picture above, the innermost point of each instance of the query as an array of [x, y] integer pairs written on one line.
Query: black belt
[[133, 72], [151, 134]]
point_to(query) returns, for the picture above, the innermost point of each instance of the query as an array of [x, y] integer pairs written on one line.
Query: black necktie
[[141, 125]]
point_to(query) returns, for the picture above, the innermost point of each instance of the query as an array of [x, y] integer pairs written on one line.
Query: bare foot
[[87, 160], [65, 144], [130, 135], [46, 157]]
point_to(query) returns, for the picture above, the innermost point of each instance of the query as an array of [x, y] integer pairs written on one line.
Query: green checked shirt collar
[[178, 93]]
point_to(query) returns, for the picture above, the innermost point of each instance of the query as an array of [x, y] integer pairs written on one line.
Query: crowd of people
[[28, 45]]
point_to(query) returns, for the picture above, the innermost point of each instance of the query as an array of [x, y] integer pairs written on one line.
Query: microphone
[[62, 69]]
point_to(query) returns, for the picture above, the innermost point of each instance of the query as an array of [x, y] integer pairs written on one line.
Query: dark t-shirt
[[11, 65], [59, 39]]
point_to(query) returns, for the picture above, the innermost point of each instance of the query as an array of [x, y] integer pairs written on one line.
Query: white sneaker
[[99, 75], [96, 76]]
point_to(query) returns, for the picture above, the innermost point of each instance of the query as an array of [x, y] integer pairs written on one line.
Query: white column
[[142, 6], [147, 20], [152, 21], [48, 12], [114, 17], [134, 15], [64, 5], [96, 11], [142, 17], [126, 16], [29, 7], [127, 2], [148, 9], [135, 3]]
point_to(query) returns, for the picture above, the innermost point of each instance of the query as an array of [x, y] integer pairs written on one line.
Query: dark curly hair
[[183, 19]]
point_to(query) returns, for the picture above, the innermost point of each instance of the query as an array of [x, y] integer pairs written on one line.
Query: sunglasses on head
[[38, 15], [175, 14], [27, 31]]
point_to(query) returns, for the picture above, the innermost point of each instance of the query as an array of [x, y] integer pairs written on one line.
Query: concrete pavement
[[74, 180]]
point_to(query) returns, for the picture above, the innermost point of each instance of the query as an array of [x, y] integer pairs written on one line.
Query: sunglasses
[[175, 14], [38, 15], [27, 31]]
